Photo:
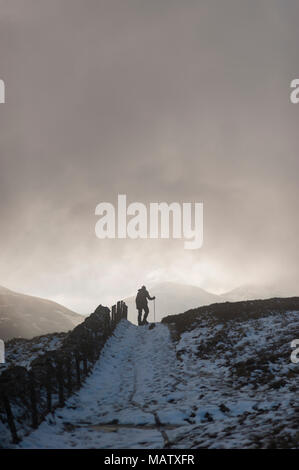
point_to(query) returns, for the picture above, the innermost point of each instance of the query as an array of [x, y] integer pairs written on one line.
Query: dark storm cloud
[[161, 100]]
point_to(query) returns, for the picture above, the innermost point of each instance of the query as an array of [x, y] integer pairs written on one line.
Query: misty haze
[[170, 103], [111, 319]]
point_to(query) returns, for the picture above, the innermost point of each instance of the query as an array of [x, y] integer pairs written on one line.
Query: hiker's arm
[[149, 297]]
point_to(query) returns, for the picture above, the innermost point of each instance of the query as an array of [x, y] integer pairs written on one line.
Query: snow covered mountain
[[218, 376], [172, 297], [26, 316], [255, 292]]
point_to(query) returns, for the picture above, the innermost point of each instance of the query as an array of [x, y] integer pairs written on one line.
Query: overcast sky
[[162, 100]]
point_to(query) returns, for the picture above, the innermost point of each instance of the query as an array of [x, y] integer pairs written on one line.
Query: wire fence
[[28, 395]]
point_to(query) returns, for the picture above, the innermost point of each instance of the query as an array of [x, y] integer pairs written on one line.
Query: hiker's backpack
[[139, 299]]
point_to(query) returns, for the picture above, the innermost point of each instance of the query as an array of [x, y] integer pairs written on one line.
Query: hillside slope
[[216, 377], [26, 316]]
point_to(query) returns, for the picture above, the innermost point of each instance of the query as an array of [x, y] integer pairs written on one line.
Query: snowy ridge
[[21, 352], [221, 384]]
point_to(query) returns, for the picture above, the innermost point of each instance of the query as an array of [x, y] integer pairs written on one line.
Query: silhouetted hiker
[[141, 304]]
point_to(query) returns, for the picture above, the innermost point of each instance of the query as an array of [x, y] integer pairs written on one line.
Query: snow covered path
[[221, 385], [118, 406]]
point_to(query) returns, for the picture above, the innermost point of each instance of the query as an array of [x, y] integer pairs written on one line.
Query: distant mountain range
[[26, 316], [255, 292]]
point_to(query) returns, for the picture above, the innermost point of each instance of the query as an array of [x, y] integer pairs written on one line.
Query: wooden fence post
[[49, 386], [59, 376], [33, 400], [85, 371], [113, 316], [10, 419], [77, 360], [125, 311], [69, 374], [118, 311], [94, 349]]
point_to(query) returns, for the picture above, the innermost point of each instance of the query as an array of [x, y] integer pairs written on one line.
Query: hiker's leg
[[139, 316], [146, 312]]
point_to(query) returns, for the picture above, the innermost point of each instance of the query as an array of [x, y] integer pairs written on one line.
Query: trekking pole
[[155, 310]]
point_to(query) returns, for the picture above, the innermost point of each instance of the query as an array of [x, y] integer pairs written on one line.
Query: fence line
[[55, 375]]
